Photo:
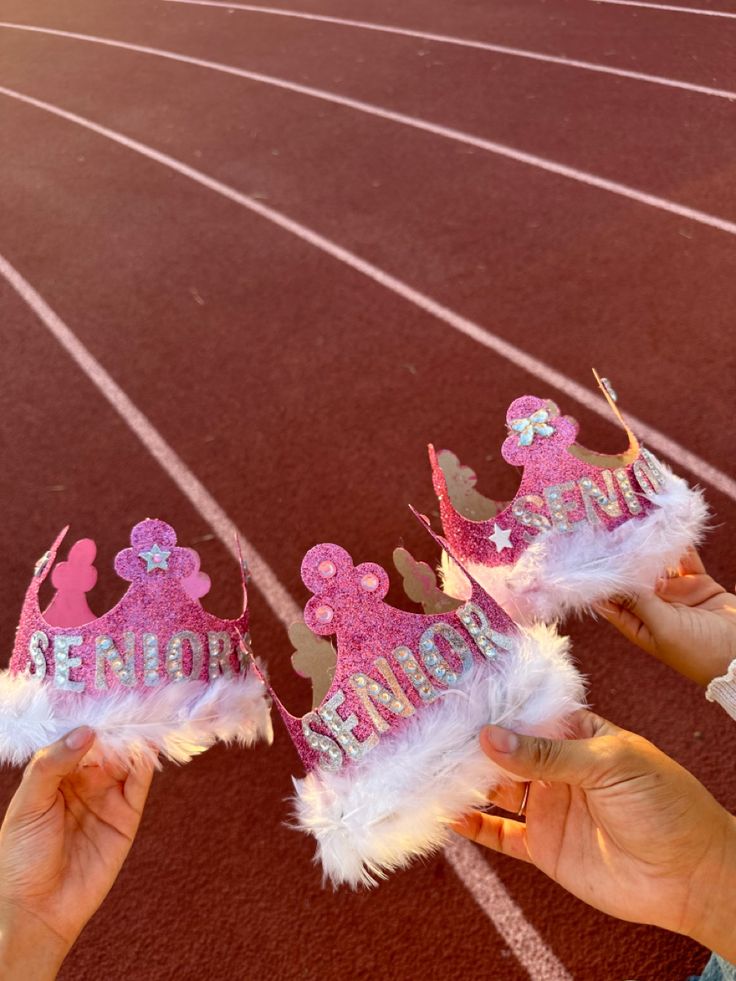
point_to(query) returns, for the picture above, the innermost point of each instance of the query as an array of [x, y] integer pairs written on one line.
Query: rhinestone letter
[[369, 691], [343, 728], [37, 647], [220, 648], [63, 662], [330, 753], [106, 652]]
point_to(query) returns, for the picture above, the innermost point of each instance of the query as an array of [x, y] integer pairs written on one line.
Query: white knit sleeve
[[723, 690]]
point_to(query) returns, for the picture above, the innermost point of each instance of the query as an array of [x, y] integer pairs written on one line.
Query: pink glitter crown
[[391, 664], [156, 635], [564, 487]]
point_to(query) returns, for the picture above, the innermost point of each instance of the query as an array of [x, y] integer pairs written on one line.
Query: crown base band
[[177, 721], [560, 574], [394, 804]]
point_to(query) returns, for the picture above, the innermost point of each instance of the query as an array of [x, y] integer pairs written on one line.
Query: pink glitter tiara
[[582, 527], [390, 747], [156, 674]]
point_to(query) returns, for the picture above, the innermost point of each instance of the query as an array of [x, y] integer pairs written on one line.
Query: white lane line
[[534, 366], [662, 6], [589, 66], [224, 527], [510, 918], [500, 149], [490, 893]]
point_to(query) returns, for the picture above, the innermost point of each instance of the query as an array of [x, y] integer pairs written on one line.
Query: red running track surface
[[301, 392]]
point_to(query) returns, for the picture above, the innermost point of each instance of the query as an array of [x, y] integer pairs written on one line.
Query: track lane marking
[[492, 896], [483, 885], [669, 8], [468, 43], [510, 352], [281, 603], [448, 133]]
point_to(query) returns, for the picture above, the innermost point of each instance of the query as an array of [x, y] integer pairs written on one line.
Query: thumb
[[49, 766], [572, 761]]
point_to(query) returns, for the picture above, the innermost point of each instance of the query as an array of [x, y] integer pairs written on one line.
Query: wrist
[[28, 948], [714, 925]]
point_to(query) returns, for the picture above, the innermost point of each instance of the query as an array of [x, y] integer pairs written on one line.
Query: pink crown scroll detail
[[391, 750], [582, 526], [156, 674]]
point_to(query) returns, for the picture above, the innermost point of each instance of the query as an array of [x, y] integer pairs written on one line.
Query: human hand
[[64, 838], [689, 622], [618, 824]]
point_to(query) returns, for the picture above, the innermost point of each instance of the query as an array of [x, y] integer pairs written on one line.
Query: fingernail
[[78, 737], [502, 740]]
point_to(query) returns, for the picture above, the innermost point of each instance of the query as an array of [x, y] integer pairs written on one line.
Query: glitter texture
[[157, 634], [390, 663], [560, 490]]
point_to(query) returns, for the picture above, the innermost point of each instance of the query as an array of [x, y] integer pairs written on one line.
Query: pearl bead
[[369, 582], [324, 614], [327, 569]]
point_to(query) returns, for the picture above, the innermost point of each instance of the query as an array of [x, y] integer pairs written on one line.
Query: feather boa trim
[[395, 804], [563, 573], [177, 720]]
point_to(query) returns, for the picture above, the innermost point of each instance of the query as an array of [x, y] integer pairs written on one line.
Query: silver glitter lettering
[[593, 496], [37, 647], [343, 728], [175, 656], [488, 641], [432, 657], [408, 664], [630, 497], [534, 521], [372, 693], [64, 662], [331, 757], [151, 674], [648, 473], [560, 507], [220, 648], [123, 666]]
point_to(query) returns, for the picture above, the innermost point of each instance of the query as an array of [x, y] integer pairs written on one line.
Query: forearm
[[700, 665], [28, 949], [714, 925]]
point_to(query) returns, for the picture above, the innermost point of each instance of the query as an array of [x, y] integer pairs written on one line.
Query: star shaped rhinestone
[[155, 558], [501, 538]]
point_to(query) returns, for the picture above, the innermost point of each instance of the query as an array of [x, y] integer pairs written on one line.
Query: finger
[[42, 776], [501, 834], [508, 796], [691, 564], [690, 590], [584, 724], [626, 622], [138, 783], [647, 617], [577, 762]]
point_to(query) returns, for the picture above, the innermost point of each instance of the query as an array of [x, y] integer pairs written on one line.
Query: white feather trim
[[560, 573], [177, 720], [395, 803]]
